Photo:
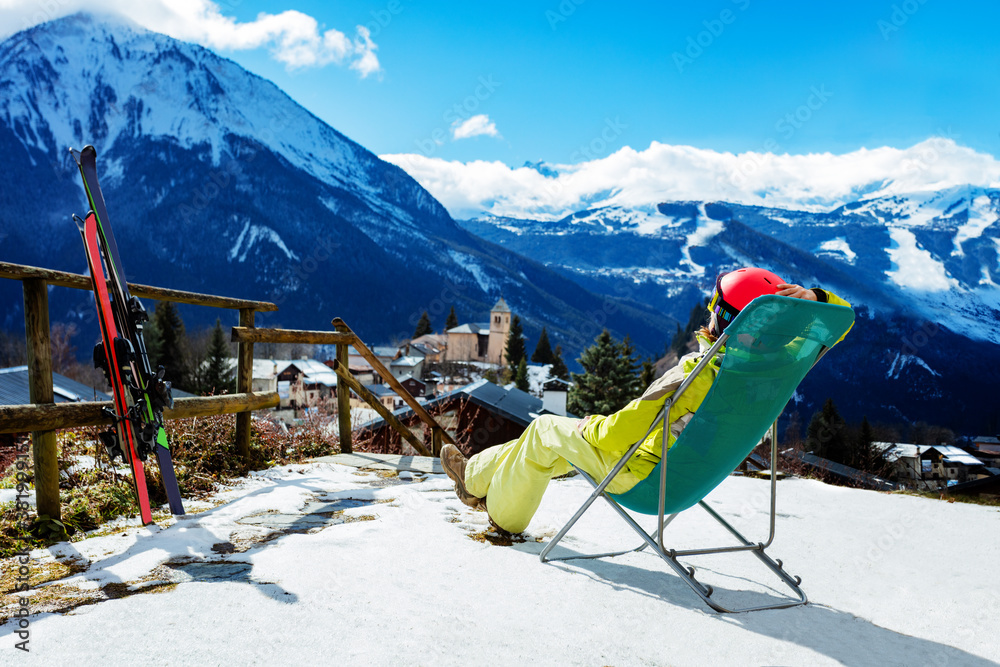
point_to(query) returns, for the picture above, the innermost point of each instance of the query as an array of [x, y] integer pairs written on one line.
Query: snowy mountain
[[216, 181], [922, 270]]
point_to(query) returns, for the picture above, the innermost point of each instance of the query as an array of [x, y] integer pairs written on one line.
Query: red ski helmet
[[736, 289]]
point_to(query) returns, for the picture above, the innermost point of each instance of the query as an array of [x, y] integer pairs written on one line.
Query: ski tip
[[87, 152]]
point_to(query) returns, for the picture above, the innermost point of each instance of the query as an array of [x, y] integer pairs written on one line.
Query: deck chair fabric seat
[[772, 345], [768, 349]]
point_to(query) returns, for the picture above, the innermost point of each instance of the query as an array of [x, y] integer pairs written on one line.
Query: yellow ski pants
[[512, 477]]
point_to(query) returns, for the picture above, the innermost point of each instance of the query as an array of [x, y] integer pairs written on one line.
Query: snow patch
[[838, 246], [981, 216], [706, 230], [250, 235], [902, 361], [914, 267], [469, 263]]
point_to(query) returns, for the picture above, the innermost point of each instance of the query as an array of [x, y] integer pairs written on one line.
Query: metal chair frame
[[671, 556]]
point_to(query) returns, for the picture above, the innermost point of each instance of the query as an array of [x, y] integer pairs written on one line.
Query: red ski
[[117, 363]]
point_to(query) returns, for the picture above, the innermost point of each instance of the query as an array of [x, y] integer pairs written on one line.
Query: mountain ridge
[[218, 182]]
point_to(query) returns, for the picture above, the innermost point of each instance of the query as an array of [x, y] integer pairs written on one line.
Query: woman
[[509, 480]]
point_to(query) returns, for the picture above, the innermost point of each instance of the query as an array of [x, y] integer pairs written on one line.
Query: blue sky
[[569, 82]]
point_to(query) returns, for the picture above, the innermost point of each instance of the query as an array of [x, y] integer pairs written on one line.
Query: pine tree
[[826, 435], [696, 320], [217, 374], [558, 369], [452, 320], [154, 341], [521, 376], [515, 350], [866, 455], [647, 373], [172, 354], [609, 380], [423, 326], [543, 350]]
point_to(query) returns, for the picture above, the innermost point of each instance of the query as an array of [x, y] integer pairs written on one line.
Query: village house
[[401, 367], [985, 443], [386, 396], [554, 393], [489, 413], [429, 346], [299, 382], [415, 387], [932, 467]]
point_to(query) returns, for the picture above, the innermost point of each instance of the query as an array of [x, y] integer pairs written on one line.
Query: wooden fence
[[43, 416]]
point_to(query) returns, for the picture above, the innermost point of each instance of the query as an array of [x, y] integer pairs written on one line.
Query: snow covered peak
[[105, 80]]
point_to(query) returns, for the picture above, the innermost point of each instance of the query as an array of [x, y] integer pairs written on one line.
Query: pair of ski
[[140, 395]]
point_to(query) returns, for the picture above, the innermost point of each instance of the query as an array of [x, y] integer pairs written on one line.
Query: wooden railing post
[[344, 402], [43, 443], [244, 384], [343, 372], [438, 435], [436, 441]]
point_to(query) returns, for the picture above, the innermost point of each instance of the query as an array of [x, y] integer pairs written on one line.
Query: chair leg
[[648, 540], [670, 556]]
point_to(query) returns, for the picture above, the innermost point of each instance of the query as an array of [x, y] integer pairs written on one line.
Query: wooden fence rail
[[43, 416], [55, 416]]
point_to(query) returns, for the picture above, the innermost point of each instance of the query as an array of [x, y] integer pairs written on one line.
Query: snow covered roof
[[14, 388], [380, 390], [557, 384], [328, 378], [406, 361], [308, 366], [470, 328], [951, 454], [268, 368]]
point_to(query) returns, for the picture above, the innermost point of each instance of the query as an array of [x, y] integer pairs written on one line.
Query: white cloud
[[292, 37], [480, 124], [662, 172]]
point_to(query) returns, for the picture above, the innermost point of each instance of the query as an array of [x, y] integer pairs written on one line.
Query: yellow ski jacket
[[619, 431]]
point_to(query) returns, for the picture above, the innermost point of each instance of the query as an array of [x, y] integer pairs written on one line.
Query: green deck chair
[[769, 348]]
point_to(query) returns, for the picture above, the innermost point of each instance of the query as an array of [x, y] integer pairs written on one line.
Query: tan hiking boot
[[453, 462]]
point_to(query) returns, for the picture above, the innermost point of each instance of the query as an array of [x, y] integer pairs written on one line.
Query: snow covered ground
[[276, 575]]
